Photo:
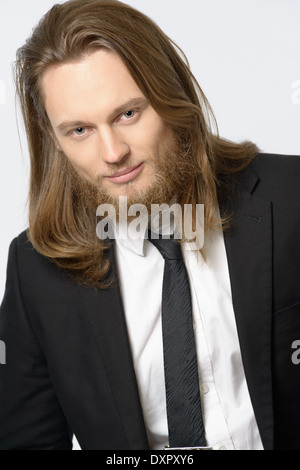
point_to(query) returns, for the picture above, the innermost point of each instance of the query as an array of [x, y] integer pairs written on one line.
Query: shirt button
[[204, 388], [223, 448]]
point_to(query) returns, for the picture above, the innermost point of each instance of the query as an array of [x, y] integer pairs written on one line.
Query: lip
[[124, 176]]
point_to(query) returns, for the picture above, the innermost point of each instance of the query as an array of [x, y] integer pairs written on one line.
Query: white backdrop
[[245, 54]]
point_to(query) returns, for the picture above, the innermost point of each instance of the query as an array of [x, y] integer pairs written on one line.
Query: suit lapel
[[249, 251], [105, 312]]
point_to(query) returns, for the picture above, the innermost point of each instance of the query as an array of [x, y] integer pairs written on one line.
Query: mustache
[[115, 168]]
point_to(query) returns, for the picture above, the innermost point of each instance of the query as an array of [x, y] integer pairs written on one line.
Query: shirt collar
[[136, 244], [131, 243], [126, 236]]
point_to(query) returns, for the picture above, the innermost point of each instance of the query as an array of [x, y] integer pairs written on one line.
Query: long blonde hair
[[62, 226]]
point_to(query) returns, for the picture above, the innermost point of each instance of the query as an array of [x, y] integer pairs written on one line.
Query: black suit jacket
[[69, 367]]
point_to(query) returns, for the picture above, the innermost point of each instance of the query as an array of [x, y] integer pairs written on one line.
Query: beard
[[174, 170]]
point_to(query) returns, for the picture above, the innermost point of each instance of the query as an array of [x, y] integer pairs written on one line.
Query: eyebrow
[[132, 103]]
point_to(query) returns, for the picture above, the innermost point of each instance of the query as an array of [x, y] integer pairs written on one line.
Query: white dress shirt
[[227, 411]]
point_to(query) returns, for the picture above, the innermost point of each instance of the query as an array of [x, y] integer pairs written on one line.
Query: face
[[106, 127]]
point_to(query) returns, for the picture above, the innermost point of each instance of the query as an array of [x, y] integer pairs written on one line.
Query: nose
[[113, 148]]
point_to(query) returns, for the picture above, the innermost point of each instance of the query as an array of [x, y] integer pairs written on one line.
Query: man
[[111, 110]]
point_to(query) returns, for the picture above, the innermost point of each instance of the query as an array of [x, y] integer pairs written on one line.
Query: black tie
[[180, 362]]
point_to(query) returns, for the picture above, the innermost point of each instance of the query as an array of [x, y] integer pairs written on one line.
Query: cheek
[[152, 138], [162, 143], [82, 159], [80, 155]]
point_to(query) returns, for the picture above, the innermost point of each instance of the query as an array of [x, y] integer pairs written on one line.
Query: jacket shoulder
[[22, 242], [277, 176], [277, 167], [34, 269], [26, 256]]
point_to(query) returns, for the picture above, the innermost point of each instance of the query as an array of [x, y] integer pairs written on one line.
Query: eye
[[128, 115], [79, 131]]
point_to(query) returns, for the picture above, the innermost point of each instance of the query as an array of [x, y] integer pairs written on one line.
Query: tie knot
[[168, 247]]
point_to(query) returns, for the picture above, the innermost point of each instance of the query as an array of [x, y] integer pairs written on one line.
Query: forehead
[[99, 79]]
